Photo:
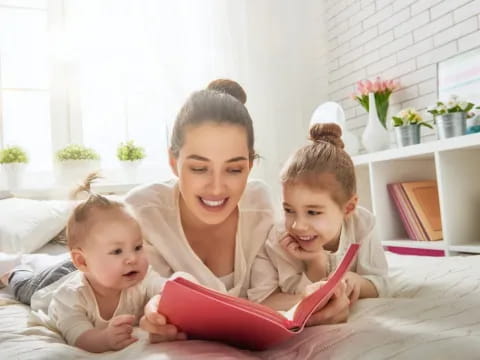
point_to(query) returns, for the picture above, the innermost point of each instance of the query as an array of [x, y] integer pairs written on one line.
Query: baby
[[96, 307]]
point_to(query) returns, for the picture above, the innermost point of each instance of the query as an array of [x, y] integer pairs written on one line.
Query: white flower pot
[[73, 172], [130, 170], [13, 174], [375, 137]]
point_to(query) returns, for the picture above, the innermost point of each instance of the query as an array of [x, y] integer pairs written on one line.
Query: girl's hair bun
[[328, 132]]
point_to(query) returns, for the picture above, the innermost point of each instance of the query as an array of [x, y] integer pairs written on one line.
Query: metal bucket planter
[[450, 125], [407, 135]]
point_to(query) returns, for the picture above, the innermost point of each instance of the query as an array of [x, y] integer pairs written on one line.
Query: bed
[[433, 315], [433, 312]]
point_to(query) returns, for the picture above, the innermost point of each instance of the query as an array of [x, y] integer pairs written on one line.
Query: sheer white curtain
[[133, 63]]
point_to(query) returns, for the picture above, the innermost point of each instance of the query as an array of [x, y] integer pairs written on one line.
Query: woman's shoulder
[[256, 197], [152, 194]]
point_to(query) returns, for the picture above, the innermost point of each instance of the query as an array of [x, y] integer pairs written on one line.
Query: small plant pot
[[130, 170], [451, 125], [73, 172], [13, 174], [407, 135]]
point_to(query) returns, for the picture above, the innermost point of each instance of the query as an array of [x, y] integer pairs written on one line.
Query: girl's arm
[[336, 311], [372, 263], [281, 301]]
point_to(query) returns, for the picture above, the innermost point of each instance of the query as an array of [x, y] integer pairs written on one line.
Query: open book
[[210, 315]]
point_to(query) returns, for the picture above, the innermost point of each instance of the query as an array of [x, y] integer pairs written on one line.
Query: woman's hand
[[335, 311], [156, 324]]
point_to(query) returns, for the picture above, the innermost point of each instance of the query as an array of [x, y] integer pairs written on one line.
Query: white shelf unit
[[454, 163]]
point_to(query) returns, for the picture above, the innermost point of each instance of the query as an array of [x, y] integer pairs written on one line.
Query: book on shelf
[[419, 208], [206, 314], [409, 220]]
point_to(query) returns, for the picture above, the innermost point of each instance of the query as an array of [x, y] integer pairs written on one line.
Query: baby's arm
[[116, 336]]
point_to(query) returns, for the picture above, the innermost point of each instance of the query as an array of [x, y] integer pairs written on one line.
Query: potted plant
[[75, 162], [473, 122], [13, 160], [130, 156], [451, 118], [407, 125], [374, 97]]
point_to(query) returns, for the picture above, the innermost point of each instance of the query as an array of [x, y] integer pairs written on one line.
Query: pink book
[[401, 211], [408, 216], [206, 314]]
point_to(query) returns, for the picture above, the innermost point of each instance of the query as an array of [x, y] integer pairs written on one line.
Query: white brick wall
[[400, 39]]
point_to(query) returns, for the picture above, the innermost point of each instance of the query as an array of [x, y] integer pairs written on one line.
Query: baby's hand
[[119, 332], [353, 283], [156, 324]]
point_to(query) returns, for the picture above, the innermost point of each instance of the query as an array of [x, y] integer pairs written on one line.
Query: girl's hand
[[156, 324], [119, 332], [291, 246], [316, 262], [353, 286], [335, 311]]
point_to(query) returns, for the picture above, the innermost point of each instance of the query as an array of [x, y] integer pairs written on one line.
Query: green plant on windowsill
[[128, 151], [76, 152], [13, 154]]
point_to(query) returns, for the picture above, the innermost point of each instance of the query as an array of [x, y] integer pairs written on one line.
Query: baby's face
[[312, 217], [114, 251]]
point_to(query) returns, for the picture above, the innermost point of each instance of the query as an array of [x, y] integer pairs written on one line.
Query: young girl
[[322, 219], [96, 307]]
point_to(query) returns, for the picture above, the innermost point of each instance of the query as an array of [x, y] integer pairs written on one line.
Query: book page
[[319, 298]]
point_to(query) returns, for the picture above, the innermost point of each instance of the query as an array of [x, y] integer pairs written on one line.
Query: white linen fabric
[[26, 225]]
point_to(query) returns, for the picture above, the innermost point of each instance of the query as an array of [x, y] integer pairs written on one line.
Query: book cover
[[393, 191], [408, 216], [423, 196], [206, 314], [412, 215]]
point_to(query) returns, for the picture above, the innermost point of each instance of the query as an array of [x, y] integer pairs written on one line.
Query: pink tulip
[[368, 86], [383, 86]]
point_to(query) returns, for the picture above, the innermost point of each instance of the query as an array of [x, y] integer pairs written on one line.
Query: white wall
[[401, 39], [286, 77]]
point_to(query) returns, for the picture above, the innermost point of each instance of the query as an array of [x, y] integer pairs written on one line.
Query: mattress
[[433, 314]]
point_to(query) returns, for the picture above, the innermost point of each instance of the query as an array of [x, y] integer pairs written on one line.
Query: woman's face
[[212, 166]]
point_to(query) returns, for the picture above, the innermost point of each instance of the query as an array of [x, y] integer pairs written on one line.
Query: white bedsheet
[[434, 315]]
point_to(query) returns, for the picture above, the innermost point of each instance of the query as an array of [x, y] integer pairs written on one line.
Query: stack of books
[[419, 208]]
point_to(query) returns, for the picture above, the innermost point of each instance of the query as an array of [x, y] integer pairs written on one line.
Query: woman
[[210, 222]]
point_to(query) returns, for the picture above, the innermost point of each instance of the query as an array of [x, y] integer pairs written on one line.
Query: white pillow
[[26, 225]]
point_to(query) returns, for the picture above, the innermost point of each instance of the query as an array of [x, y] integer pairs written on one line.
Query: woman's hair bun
[[230, 87], [328, 132]]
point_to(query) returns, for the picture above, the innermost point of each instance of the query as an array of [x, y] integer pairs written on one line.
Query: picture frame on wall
[[460, 75]]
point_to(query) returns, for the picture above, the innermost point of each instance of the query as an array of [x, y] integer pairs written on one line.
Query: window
[[24, 80]]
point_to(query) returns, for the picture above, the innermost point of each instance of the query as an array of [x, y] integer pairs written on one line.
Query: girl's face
[[212, 166], [312, 217]]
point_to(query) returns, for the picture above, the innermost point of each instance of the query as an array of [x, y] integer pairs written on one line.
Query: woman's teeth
[[213, 203], [307, 238]]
